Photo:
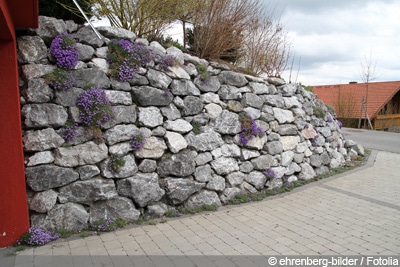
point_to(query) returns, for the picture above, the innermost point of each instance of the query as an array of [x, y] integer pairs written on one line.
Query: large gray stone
[[153, 148], [207, 141], [68, 97], [259, 88], [216, 183], [178, 189], [149, 96], [171, 112], [43, 202], [263, 162], [274, 100], [184, 88], [86, 35], [69, 216], [115, 208], [192, 105], [116, 33], [227, 92], [289, 142], [88, 153], [37, 91], [119, 133], [158, 79], [307, 172], [87, 191], [179, 125], [252, 100], [283, 116], [44, 177], [235, 178], [233, 78], [273, 147], [203, 173], [85, 52], [287, 158], [92, 76], [44, 115], [288, 129], [227, 123], [49, 28], [44, 157], [212, 84], [181, 164], [122, 115], [119, 98], [202, 198], [175, 142], [42, 140], [128, 169], [87, 172], [223, 165], [229, 194], [257, 179], [143, 188]]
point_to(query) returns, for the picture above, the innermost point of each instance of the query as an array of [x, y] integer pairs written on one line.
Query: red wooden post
[[14, 218]]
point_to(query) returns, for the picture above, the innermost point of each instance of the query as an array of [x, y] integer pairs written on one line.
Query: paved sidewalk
[[356, 213]]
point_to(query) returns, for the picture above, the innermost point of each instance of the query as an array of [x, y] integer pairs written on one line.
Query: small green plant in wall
[[116, 163]]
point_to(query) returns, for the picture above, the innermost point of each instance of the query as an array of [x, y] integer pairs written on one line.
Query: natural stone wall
[[69, 184]]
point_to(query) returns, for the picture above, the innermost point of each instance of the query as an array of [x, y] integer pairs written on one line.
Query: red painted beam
[[14, 218]]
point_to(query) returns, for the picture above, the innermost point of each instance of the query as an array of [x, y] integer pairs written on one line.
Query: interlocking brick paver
[[351, 214]]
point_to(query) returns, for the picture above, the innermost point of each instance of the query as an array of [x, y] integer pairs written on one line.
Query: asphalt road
[[377, 140]]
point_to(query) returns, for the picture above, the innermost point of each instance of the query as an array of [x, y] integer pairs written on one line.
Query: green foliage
[[196, 127], [60, 9], [153, 222], [319, 112], [116, 163], [307, 88], [60, 79], [202, 70], [212, 207], [64, 233]]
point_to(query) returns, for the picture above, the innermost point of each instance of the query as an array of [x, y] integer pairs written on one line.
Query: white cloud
[[332, 37]]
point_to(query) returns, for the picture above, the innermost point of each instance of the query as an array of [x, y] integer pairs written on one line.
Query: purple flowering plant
[[94, 110], [37, 237], [64, 51], [164, 62], [104, 225], [116, 163], [249, 128], [270, 173], [69, 131], [60, 79], [137, 141], [125, 58]]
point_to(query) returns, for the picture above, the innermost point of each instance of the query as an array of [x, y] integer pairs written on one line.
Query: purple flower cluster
[[61, 79], [105, 225], [164, 62], [95, 107], [38, 237], [270, 173], [137, 141], [329, 119], [249, 129], [126, 58], [69, 131], [63, 49], [340, 124], [116, 163], [314, 142]]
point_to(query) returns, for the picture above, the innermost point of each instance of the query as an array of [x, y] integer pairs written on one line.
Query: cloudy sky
[[332, 38]]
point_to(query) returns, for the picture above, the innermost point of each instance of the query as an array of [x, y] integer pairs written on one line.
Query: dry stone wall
[[192, 154]]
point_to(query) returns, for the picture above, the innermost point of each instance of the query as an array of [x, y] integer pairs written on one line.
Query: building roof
[[350, 97]]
